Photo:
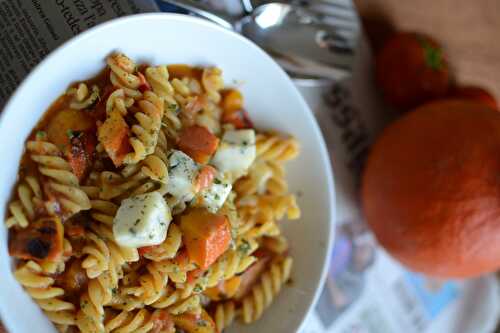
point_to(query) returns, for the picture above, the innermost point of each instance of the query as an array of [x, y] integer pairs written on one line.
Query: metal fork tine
[[341, 24], [330, 3], [327, 11], [325, 15]]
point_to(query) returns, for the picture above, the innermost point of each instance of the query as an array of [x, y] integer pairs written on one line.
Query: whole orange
[[431, 189]]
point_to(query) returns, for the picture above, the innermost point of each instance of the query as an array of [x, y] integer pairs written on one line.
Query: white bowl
[[271, 99]]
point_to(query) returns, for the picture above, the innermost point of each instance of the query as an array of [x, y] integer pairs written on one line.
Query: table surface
[[468, 30]]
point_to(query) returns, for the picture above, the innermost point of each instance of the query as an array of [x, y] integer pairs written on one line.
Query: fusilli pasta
[[62, 183], [41, 288], [224, 315], [264, 292], [22, 210], [272, 147]]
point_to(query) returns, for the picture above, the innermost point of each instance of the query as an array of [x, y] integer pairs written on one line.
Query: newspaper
[[366, 290]]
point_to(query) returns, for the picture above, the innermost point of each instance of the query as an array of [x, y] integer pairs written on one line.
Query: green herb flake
[[132, 231], [433, 55], [217, 181], [40, 134], [73, 134], [244, 247], [197, 288], [201, 323], [137, 221]]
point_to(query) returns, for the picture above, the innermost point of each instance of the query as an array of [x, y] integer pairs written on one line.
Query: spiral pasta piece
[[97, 256], [168, 249], [119, 255], [269, 228], [170, 296], [224, 315], [232, 262], [101, 290], [22, 210], [41, 289], [171, 123], [273, 147], [152, 284], [277, 244], [276, 207], [269, 207], [264, 177], [82, 97], [137, 321], [181, 88], [262, 294], [158, 79], [119, 102], [103, 211], [89, 318], [212, 82], [61, 180], [145, 132], [191, 304], [151, 174], [122, 74], [134, 180], [155, 165]]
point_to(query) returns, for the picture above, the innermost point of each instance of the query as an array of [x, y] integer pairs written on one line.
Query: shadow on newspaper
[[419, 298], [353, 254]]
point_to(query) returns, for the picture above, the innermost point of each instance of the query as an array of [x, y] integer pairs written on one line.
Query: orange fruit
[[431, 189], [477, 94], [411, 69]]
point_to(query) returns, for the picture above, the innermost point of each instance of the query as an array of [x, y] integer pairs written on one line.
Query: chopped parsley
[[244, 247], [73, 134], [137, 222], [217, 181], [197, 288], [201, 323], [132, 231], [40, 134]]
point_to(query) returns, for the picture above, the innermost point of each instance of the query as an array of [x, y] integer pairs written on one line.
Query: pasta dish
[[147, 201]]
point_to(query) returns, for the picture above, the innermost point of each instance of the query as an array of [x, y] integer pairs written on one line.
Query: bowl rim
[[17, 94]]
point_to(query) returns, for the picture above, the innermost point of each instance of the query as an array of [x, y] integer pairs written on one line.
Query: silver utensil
[[303, 37]]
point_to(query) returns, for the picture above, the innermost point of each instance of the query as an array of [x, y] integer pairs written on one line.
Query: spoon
[[303, 41]]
